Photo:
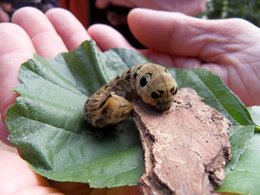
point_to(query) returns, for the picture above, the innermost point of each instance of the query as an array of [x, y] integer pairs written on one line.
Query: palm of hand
[[231, 52], [225, 47]]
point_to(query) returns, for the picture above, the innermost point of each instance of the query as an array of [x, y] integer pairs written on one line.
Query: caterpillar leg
[[112, 110]]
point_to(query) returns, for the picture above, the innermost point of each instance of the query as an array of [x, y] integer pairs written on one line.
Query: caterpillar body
[[111, 104]]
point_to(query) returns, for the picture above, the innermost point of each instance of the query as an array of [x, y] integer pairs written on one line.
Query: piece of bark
[[186, 148]]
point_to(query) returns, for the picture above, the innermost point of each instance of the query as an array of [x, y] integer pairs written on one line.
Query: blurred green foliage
[[247, 9]]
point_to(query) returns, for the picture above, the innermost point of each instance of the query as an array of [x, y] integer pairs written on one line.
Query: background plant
[[247, 9]]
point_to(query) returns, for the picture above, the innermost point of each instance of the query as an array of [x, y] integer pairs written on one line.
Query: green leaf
[[215, 94], [255, 114], [47, 126], [246, 178]]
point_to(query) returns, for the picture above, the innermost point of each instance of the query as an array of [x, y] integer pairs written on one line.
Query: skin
[[228, 48], [3, 15], [48, 36], [189, 7]]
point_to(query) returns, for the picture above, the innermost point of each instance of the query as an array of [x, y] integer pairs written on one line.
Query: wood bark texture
[[186, 148]]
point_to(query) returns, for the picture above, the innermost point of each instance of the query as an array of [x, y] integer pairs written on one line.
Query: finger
[[181, 35], [17, 177], [165, 32], [101, 4], [4, 16], [169, 61], [43, 35], [68, 27], [107, 37], [17, 48], [183, 62]]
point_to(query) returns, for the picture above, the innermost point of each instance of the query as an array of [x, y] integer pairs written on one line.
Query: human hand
[[228, 48], [4, 17], [48, 35], [31, 32], [189, 7]]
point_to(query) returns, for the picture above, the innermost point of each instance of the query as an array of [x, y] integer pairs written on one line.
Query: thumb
[[181, 35]]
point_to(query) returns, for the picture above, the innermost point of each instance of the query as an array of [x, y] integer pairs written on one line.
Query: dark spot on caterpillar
[[128, 77], [123, 115], [135, 75], [109, 96], [143, 82], [104, 111], [173, 91], [161, 92], [85, 108], [166, 70], [154, 95], [104, 88], [145, 79], [118, 77], [123, 106], [129, 70], [102, 103], [140, 67]]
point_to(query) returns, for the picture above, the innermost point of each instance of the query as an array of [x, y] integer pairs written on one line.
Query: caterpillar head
[[156, 86]]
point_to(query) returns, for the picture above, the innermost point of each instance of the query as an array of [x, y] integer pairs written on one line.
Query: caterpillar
[[111, 104]]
